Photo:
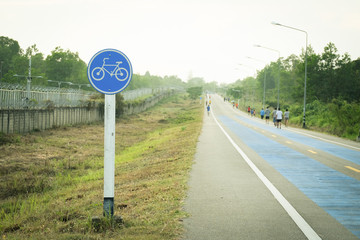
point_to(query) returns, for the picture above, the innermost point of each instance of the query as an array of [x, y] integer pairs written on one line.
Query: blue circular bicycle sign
[[109, 71]]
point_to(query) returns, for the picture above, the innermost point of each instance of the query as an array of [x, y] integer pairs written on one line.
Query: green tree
[[65, 66], [9, 49], [194, 92], [329, 61], [10, 52]]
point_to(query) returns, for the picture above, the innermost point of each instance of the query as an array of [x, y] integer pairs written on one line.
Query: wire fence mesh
[[14, 96]]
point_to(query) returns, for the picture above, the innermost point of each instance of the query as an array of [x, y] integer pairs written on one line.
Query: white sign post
[[109, 72], [109, 154]]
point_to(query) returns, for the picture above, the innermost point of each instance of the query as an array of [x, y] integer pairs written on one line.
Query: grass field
[[52, 182]]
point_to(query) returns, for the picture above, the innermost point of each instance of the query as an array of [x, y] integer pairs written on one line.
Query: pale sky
[[199, 38]]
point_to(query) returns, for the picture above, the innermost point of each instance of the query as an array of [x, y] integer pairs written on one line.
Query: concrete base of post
[[108, 207]]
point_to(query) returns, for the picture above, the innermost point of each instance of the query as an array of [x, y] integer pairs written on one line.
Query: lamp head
[[275, 23]]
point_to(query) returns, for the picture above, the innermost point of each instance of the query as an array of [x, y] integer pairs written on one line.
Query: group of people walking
[[251, 111], [277, 115]]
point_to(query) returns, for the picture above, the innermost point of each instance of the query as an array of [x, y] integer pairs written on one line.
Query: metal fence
[[13, 96], [137, 93]]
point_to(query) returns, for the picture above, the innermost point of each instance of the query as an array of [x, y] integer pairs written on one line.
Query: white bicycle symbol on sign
[[120, 73]]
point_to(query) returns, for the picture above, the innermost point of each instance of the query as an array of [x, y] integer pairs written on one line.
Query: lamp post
[[264, 78], [271, 49], [306, 43]]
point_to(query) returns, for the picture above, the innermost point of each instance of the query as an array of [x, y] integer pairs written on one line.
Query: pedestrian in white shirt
[[279, 114]]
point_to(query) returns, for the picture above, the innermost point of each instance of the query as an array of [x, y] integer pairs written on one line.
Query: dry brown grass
[[53, 180]]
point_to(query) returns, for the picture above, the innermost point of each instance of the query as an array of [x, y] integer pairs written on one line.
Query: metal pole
[[109, 155], [1, 92], [304, 124], [278, 103], [264, 78], [28, 80], [297, 29], [278, 70], [1, 65], [264, 87]]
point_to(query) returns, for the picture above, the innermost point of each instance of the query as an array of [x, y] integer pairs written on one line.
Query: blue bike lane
[[336, 150], [335, 192]]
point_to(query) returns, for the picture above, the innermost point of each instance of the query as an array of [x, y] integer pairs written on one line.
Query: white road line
[[300, 222], [323, 139]]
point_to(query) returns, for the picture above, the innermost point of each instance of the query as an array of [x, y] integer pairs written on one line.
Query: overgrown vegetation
[[332, 91], [54, 179]]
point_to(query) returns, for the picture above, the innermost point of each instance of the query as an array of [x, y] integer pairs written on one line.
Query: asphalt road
[[251, 180]]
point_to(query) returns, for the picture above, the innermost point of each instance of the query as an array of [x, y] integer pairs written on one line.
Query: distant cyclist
[[208, 109]]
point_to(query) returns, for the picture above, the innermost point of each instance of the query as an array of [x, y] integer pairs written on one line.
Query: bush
[[338, 117], [346, 118]]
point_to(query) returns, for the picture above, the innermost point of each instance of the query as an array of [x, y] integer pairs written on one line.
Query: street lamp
[[306, 43], [271, 49], [264, 77]]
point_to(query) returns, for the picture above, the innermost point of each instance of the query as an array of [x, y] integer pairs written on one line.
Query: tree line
[[332, 89], [61, 66], [329, 76]]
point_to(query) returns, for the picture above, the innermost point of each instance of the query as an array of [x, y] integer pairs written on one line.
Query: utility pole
[[1, 65], [28, 83]]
